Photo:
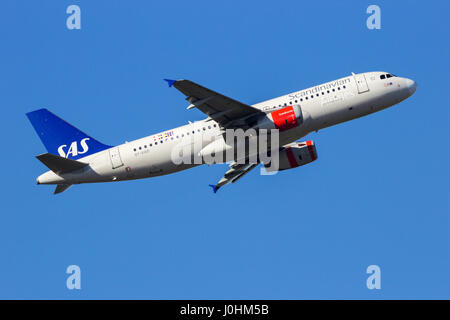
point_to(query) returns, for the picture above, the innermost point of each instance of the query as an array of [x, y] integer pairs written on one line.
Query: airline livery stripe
[[311, 150]]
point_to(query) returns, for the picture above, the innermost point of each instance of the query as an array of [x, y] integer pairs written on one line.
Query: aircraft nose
[[37, 180], [411, 85]]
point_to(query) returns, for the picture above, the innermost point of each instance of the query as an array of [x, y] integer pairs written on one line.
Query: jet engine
[[294, 155], [282, 119]]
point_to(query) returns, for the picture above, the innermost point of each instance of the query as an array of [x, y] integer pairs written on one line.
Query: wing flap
[[235, 172], [226, 111]]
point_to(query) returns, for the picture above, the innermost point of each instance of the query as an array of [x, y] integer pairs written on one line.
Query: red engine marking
[[285, 118], [291, 157], [310, 150]]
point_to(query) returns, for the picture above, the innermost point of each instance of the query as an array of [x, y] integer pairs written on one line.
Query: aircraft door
[[116, 160], [361, 83]]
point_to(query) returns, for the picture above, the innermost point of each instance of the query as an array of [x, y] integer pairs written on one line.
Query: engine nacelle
[[294, 155], [282, 119]]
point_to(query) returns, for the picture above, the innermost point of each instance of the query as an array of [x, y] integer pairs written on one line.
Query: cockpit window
[[387, 76]]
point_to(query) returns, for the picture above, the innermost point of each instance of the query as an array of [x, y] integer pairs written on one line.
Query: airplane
[[74, 157]]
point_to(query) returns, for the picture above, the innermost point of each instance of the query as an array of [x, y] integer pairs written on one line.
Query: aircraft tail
[[59, 165], [61, 138], [61, 188]]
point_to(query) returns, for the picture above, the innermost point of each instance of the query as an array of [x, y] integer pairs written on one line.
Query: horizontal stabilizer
[[59, 164], [61, 188]]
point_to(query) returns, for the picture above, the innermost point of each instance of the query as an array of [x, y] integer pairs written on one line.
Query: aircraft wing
[[227, 112], [235, 172]]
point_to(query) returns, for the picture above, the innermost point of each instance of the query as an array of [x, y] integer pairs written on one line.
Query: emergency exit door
[[116, 160], [361, 83]]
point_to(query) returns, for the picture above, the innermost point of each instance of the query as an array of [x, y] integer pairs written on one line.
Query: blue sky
[[378, 193]]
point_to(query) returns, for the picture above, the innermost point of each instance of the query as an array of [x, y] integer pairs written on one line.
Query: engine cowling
[[294, 155], [282, 119]]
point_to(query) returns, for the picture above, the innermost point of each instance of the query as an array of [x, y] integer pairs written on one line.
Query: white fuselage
[[322, 106]]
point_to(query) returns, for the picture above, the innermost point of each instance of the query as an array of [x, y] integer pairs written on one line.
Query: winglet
[[214, 187], [170, 82]]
